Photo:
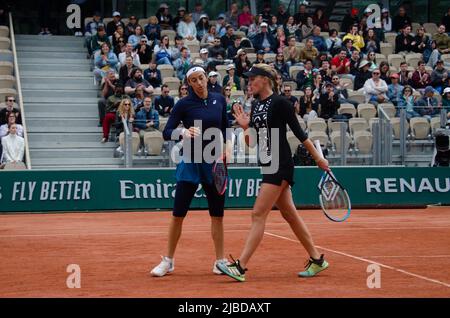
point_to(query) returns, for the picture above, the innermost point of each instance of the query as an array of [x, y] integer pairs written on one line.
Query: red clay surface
[[115, 252]]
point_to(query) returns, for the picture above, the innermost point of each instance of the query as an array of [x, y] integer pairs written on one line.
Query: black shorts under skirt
[[283, 173]]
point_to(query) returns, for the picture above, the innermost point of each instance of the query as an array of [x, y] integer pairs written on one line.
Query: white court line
[[410, 256], [366, 260]]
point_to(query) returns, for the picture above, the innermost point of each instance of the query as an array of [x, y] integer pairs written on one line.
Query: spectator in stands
[[291, 29], [287, 92], [446, 19], [363, 75], [385, 72], [221, 26], [182, 92], [372, 59], [208, 38], [305, 78], [395, 90], [120, 47], [147, 119], [408, 101], [135, 38], [439, 77], [217, 51], [182, 64], [112, 104], [152, 29], [9, 108], [164, 103], [429, 104], [404, 74], [273, 25], [213, 85], [129, 51], [255, 28], [108, 88], [282, 14], [205, 60], [340, 63], [233, 49], [309, 51], [329, 102], [421, 41], [386, 20], [349, 20], [260, 57], [349, 48], [281, 67], [401, 20], [301, 16], [118, 34], [202, 26], [404, 42], [266, 13], [372, 43], [153, 75], [187, 28], [111, 27], [180, 16], [291, 52], [279, 82], [356, 36], [138, 100], [232, 15], [231, 79], [281, 40], [442, 45], [320, 19], [126, 114], [355, 59], [420, 78], [125, 70], [98, 39], [130, 28], [308, 105], [13, 145], [198, 11], [105, 61], [318, 83], [162, 53], [242, 63], [145, 51], [248, 100], [11, 119], [245, 18], [227, 40], [164, 17], [340, 90], [446, 101], [136, 80], [319, 41], [325, 71], [307, 28], [333, 42], [226, 92], [175, 51], [375, 89], [91, 30]]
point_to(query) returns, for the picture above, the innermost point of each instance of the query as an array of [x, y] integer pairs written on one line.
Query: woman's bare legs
[[217, 236], [175, 228]]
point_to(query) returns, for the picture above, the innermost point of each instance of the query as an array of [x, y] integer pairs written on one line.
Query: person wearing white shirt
[[187, 28], [13, 146], [375, 89], [11, 117], [129, 51], [386, 20]]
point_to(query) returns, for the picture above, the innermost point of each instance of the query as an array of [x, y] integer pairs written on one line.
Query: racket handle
[[318, 147]]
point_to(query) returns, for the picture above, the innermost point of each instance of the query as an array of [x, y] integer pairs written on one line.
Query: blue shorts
[[194, 172]]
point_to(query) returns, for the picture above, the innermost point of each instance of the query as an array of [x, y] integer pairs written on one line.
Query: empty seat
[[395, 122], [6, 55], [347, 109], [335, 125], [251, 57], [293, 141], [296, 93], [5, 43], [237, 95], [386, 48], [143, 22], [7, 81], [389, 109], [334, 25], [135, 140], [428, 69], [395, 60], [366, 111], [335, 138], [193, 46], [222, 70], [270, 57], [431, 28], [6, 68], [412, 59], [357, 124], [372, 121], [4, 31], [348, 81], [162, 123], [389, 37], [235, 33], [153, 141], [172, 82], [445, 58], [363, 142], [381, 58], [317, 124], [435, 123], [357, 96], [293, 71], [166, 70], [420, 127], [321, 136]]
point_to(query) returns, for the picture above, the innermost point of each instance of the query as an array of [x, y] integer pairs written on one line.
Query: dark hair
[[420, 63], [403, 63], [330, 33], [164, 86], [309, 60], [8, 96]]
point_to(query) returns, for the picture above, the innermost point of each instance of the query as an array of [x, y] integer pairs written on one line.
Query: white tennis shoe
[[166, 266], [220, 261]]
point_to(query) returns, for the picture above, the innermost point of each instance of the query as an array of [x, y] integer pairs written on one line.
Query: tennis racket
[[220, 174], [333, 197]]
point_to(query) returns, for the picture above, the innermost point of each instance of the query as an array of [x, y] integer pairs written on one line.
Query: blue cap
[[260, 52], [429, 89]]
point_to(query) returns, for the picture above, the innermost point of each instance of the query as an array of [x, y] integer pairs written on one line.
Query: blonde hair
[[121, 109], [153, 20], [270, 70]]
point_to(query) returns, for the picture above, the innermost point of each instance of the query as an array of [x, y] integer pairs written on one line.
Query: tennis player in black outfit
[[270, 112]]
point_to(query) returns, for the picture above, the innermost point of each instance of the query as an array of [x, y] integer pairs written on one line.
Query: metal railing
[[19, 92], [128, 143], [382, 137]]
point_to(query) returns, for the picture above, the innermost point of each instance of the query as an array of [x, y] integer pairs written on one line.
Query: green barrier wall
[[89, 190]]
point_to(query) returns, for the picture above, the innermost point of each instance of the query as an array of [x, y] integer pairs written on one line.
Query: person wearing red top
[[420, 78], [340, 63], [245, 18]]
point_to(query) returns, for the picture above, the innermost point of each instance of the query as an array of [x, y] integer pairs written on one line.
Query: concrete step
[[60, 100], [62, 114], [85, 137], [56, 94], [63, 123], [70, 167], [78, 162], [26, 67], [63, 144], [58, 73], [53, 44], [32, 128], [52, 38], [62, 85], [52, 80], [52, 49], [63, 108], [72, 153], [52, 55], [60, 62]]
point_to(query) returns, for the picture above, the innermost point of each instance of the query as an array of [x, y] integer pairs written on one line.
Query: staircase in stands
[[60, 101]]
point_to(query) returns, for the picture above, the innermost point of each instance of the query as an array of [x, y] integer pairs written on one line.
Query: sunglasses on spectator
[[127, 104], [228, 89], [376, 73], [336, 79], [11, 100], [287, 90], [184, 88]]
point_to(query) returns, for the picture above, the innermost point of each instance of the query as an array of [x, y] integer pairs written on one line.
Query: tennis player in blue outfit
[[210, 109]]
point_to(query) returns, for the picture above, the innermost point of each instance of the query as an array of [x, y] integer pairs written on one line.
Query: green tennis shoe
[[314, 266], [233, 270]]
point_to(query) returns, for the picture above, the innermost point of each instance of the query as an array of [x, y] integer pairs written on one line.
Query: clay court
[[115, 252]]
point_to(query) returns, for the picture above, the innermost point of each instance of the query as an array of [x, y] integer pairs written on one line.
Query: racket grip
[[318, 147]]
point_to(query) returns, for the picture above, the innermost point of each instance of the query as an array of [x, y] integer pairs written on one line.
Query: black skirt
[[283, 173]]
